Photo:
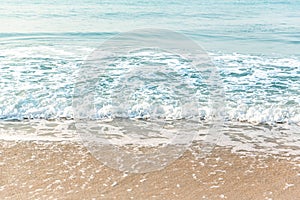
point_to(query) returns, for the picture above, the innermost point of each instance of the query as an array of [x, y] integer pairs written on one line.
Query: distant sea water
[[255, 46]]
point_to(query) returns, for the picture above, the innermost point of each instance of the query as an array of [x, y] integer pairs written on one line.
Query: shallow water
[[253, 45], [280, 139]]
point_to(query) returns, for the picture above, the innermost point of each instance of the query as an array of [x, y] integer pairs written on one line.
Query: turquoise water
[[255, 46]]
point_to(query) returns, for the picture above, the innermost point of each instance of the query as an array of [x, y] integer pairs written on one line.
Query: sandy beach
[[66, 170], [144, 100]]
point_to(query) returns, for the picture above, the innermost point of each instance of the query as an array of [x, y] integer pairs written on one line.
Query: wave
[[39, 82], [40, 34]]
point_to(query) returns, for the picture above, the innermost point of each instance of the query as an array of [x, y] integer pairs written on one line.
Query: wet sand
[[66, 170]]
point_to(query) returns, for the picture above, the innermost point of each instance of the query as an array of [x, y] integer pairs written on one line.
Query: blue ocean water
[[255, 46]]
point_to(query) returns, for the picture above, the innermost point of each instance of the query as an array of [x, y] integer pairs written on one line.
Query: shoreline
[[66, 170]]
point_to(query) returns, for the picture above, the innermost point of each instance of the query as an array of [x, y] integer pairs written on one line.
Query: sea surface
[[253, 45]]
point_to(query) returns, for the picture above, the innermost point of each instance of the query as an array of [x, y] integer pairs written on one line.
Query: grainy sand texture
[[66, 170]]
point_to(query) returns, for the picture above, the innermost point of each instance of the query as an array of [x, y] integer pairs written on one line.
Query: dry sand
[[60, 170]]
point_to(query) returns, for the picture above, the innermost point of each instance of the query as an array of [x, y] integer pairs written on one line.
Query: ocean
[[253, 45]]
